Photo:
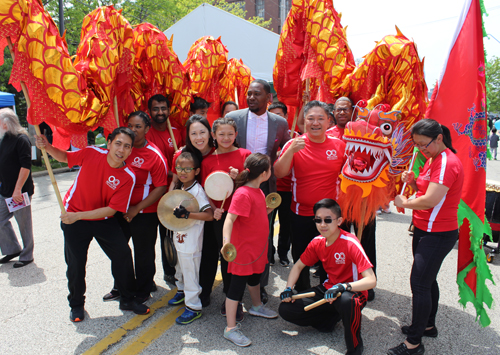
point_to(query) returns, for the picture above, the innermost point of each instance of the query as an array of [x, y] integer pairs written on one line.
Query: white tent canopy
[[255, 45]]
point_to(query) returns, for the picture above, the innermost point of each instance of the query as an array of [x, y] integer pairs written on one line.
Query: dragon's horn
[[404, 98], [379, 95]]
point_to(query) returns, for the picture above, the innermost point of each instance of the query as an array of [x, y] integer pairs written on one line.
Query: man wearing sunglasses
[[344, 292]]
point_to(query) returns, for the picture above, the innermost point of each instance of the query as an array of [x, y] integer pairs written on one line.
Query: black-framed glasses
[[187, 170], [423, 146], [327, 220], [339, 110]]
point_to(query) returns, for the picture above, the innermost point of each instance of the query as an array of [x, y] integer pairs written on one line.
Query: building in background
[[277, 10]]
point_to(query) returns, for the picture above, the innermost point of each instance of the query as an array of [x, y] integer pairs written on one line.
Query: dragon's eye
[[386, 128]]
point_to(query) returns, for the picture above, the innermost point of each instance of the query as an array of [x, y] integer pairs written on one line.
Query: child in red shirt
[[247, 227], [229, 158]]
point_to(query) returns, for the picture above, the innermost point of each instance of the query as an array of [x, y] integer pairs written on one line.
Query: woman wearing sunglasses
[[439, 188], [141, 221]]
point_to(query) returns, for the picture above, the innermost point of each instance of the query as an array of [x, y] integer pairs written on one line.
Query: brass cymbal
[[273, 200], [229, 252], [169, 202]]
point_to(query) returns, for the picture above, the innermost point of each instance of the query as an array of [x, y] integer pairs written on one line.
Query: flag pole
[[37, 129], [115, 109], [169, 126]]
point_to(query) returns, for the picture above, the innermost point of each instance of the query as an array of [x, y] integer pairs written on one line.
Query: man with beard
[[261, 131], [159, 110], [15, 179]]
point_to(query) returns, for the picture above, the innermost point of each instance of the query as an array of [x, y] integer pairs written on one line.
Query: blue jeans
[[429, 251], [8, 241]]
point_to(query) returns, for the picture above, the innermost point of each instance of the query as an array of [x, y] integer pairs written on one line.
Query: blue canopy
[[6, 99]]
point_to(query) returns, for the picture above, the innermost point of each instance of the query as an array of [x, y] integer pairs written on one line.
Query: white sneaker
[[263, 312], [236, 336]]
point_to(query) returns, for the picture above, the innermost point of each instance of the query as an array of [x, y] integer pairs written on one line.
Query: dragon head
[[368, 152]]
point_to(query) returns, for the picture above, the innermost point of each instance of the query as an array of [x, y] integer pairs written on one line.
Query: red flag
[[459, 102]]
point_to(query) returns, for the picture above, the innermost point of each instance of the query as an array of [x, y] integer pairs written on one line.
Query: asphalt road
[[34, 310]]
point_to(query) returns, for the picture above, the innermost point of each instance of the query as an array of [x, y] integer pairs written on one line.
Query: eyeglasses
[[327, 220], [339, 110], [187, 170], [423, 146]]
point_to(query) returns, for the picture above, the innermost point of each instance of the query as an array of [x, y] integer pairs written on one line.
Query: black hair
[[432, 129], [315, 103], [255, 164], [121, 130], [494, 130], [331, 109], [157, 98], [343, 98], [332, 205], [227, 103], [265, 84], [223, 121], [143, 115], [190, 156], [280, 105], [189, 146], [198, 104]]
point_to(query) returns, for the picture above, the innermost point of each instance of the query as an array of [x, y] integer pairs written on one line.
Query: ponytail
[[447, 138], [255, 165]]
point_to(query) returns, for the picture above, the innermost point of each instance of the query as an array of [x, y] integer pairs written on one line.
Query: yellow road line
[[155, 330], [132, 324]]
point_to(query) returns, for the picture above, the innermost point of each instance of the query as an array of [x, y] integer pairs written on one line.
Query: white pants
[[187, 274]]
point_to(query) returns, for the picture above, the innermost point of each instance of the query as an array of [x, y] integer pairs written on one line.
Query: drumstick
[[303, 295], [409, 170], [223, 201], [318, 303]]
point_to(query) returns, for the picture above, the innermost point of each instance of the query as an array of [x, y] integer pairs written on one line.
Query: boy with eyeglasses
[[344, 292]]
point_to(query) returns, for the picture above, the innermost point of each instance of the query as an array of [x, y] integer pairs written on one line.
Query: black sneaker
[[431, 333], [77, 314], [137, 308], [111, 295], [170, 279], [142, 299], [239, 311], [401, 349], [284, 262]]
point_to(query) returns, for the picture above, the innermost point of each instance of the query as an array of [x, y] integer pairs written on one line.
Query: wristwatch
[[348, 286]]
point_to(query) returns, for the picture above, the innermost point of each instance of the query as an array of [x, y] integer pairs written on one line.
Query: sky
[[429, 23]]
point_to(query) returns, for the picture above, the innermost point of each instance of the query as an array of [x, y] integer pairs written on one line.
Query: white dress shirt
[[257, 128]]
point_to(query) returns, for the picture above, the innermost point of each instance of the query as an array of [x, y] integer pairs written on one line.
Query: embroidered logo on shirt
[[427, 176], [138, 162], [170, 144], [331, 155], [339, 258], [180, 238], [113, 182]]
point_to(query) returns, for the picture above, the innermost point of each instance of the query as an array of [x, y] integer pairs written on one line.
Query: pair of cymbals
[[169, 202]]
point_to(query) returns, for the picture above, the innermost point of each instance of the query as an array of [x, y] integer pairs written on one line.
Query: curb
[[45, 172]]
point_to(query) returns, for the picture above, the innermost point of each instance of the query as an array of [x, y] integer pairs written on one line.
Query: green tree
[[5, 71], [493, 84]]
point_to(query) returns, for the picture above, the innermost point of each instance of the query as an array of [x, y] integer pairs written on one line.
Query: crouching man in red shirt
[[102, 187], [350, 275]]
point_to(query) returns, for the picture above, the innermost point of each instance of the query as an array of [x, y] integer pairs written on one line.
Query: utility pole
[[61, 18]]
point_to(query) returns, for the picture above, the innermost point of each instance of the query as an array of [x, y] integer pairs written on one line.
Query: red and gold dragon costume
[[388, 88]]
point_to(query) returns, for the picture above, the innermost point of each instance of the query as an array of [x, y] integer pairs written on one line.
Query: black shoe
[[431, 333], [111, 295], [284, 262], [137, 308], [371, 295], [263, 295], [205, 301], [357, 351], [239, 311], [272, 262], [77, 314], [19, 264], [401, 349], [169, 279], [154, 288], [8, 258]]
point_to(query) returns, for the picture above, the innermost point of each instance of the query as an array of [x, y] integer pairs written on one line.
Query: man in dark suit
[[263, 132]]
